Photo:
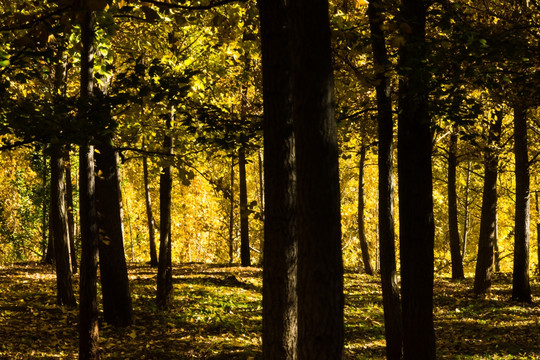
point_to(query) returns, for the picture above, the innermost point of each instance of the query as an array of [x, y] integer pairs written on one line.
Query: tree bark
[[466, 212], [320, 265], [453, 227], [488, 217], [164, 277], [149, 215], [69, 204], [88, 314], [417, 228], [387, 251], [361, 224], [280, 326], [116, 297], [59, 229], [521, 289], [245, 257], [231, 215]]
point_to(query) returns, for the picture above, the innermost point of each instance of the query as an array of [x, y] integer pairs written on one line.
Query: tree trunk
[[280, 326], [164, 277], [59, 229], [386, 248], [361, 226], [231, 216], [417, 230], [69, 204], [521, 289], [117, 309], [45, 243], [149, 215], [320, 265], [488, 217], [88, 314], [49, 255], [453, 227], [245, 257], [466, 212]]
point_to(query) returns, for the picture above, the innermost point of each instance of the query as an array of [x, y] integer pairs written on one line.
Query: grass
[[216, 314]]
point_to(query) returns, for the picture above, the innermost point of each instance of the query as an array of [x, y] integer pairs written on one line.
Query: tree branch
[[193, 7]]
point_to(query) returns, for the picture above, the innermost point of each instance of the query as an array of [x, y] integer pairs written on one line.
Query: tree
[[88, 314], [117, 309], [521, 289], [59, 228], [416, 226], [280, 245], [453, 226], [320, 267], [164, 276], [149, 214], [361, 224], [488, 219], [245, 257], [390, 289]]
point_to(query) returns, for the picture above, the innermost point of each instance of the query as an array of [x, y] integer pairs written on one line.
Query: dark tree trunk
[[88, 313], [49, 255], [164, 277], [417, 228], [280, 248], [59, 229], [117, 309], [387, 251], [361, 225], [69, 204], [45, 243], [466, 211], [231, 216], [453, 226], [320, 264], [521, 289], [488, 217], [245, 257], [496, 253], [149, 215]]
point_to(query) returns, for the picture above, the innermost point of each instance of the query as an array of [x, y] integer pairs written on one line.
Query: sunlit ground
[[216, 314]]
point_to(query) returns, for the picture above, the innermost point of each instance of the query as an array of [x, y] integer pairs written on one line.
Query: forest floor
[[216, 314]]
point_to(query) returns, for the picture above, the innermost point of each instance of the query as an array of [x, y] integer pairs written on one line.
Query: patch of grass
[[216, 314]]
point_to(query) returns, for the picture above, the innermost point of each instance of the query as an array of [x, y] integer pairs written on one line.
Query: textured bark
[[149, 215], [521, 289], [453, 226], [415, 187], [387, 251], [231, 216], [488, 217], [88, 314], [60, 229], [245, 258], [164, 277], [361, 223], [69, 205], [320, 266], [117, 308], [466, 211], [280, 246]]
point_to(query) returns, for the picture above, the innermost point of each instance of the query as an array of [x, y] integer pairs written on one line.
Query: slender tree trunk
[[496, 253], [49, 255], [117, 308], [488, 219], [244, 211], [386, 248], [164, 277], [231, 216], [417, 230], [45, 211], [320, 265], [280, 326], [521, 289], [69, 204], [361, 225], [466, 212], [149, 214], [60, 230], [88, 314], [453, 227]]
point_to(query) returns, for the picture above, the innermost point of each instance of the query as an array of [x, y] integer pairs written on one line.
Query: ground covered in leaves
[[217, 315]]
